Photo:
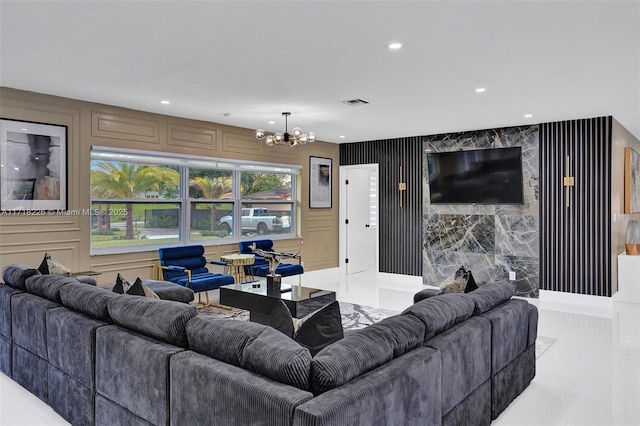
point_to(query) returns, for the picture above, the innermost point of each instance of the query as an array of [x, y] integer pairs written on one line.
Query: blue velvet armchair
[[261, 265], [186, 266]]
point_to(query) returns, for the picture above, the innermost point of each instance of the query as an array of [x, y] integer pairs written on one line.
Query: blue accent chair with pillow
[[186, 266], [261, 265]]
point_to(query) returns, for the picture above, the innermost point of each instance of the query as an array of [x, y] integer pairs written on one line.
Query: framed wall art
[[33, 172], [631, 181], [320, 183]]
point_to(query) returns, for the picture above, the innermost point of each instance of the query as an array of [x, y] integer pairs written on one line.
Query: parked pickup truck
[[257, 220]]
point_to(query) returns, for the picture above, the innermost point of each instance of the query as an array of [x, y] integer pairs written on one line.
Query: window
[[142, 201]]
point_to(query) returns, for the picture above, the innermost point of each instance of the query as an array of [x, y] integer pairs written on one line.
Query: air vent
[[357, 101]]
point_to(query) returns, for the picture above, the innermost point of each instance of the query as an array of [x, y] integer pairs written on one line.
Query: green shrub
[[219, 234], [203, 224], [162, 222], [103, 232]]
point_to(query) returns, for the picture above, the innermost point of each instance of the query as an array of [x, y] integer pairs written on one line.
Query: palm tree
[[212, 189], [128, 180], [100, 192]]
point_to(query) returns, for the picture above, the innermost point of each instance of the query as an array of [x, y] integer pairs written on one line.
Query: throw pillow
[[320, 329], [462, 281], [50, 266], [125, 287]]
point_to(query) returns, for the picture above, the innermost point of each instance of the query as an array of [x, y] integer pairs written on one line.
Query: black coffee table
[[258, 299]]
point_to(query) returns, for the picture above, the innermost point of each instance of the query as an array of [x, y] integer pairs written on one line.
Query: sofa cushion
[[363, 350], [87, 299], [6, 293], [48, 286], [50, 266], [252, 346], [170, 291], [441, 312], [320, 328], [490, 295], [16, 274], [163, 319]]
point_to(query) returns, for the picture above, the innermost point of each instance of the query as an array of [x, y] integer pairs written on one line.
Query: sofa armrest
[[411, 384], [426, 293]]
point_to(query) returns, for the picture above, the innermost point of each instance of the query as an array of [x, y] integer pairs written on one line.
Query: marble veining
[[527, 273], [467, 233], [517, 235], [439, 265], [489, 239]]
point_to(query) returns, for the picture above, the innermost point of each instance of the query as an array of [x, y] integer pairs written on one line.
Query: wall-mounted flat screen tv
[[479, 176]]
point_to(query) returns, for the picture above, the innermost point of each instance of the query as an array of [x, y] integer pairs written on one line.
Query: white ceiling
[[242, 63]]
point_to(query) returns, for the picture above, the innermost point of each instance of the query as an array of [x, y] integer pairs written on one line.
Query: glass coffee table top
[[287, 292], [259, 299]]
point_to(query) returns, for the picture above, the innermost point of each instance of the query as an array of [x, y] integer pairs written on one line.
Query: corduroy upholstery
[[71, 354], [88, 300], [489, 295], [163, 319], [441, 312], [401, 392], [48, 286], [231, 396], [252, 346], [363, 350], [16, 274], [160, 363]]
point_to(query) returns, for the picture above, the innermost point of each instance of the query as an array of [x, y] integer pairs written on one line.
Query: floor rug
[[354, 317]]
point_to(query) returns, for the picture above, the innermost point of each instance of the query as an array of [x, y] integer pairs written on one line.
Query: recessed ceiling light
[[480, 89], [272, 122], [25, 130], [342, 136], [165, 102], [528, 115], [394, 45]]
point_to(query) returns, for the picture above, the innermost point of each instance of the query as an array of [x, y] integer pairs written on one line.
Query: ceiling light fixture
[[395, 45], [292, 139], [165, 102], [480, 90], [528, 115]]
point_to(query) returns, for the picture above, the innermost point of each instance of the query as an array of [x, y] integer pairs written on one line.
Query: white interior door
[[360, 217]]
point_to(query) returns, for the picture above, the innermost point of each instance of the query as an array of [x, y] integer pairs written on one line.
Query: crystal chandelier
[[292, 139]]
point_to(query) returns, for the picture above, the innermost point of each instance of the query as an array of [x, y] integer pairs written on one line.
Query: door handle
[[367, 225]]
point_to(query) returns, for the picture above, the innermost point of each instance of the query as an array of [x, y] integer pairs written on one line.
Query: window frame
[[184, 163]]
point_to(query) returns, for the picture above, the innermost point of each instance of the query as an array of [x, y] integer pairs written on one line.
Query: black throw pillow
[[125, 287], [320, 328], [280, 317]]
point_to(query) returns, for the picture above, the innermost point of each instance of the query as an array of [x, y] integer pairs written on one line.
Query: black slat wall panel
[[400, 229], [575, 242]]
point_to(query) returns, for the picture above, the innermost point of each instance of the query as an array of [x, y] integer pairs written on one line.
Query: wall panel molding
[[195, 137], [116, 126]]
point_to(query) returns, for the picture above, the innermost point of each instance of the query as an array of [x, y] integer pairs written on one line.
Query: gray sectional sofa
[[99, 358]]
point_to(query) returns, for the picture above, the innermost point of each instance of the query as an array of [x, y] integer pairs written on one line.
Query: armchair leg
[[207, 302]]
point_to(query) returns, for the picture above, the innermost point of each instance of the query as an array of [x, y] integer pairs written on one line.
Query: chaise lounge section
[[100, 358]]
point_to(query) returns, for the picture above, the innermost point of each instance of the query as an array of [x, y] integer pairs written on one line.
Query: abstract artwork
[[33, 166], [319, 183], [631, 181]]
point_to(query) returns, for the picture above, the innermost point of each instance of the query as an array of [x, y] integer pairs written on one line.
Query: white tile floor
[[589, 376]]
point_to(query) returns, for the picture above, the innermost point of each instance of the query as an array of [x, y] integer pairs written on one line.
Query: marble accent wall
[[491, 240]]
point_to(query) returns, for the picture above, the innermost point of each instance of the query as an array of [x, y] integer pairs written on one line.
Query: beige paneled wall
[[25, 239], [620, 138]]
